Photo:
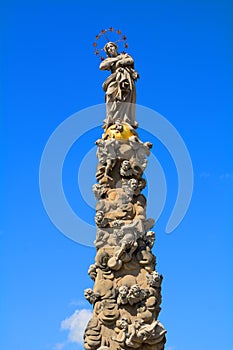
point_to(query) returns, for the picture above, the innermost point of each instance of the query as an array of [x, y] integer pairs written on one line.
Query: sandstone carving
[[91, 296], [92, 336], [119, 87], [126, 295]]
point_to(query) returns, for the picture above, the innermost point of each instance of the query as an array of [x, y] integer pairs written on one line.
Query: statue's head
[[150, 238], [138, 323], [123, 290], [135, 290], [126, 165], [133, 183], [99, 217], [111, 49], [123, 323], [154, 279]]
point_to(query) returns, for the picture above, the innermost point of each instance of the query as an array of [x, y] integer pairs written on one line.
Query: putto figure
[[119, 87]]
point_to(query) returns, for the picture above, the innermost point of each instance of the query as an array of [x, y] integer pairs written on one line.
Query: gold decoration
[[119, 132]]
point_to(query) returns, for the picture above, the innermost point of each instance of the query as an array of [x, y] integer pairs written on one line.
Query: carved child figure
[[122, 296]]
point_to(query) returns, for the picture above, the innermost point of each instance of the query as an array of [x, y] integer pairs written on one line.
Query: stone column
[[126, 295]]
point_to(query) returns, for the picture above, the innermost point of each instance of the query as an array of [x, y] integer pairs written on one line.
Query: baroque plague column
[[126, 295]]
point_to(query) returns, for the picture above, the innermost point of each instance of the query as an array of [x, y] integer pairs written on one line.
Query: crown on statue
[[109, 35]]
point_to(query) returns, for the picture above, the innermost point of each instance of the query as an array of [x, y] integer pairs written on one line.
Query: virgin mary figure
[[119, 87]]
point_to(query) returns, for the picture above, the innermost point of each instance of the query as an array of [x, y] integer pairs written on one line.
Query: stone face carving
[[91, 296], [154, 279], [122, 298], [132, 295], [126, 295], [100, 219], [126, 170]]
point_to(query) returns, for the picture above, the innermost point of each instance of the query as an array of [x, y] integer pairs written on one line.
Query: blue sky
[[183, 52]]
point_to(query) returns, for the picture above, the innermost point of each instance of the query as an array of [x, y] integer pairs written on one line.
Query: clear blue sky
[[183, 52]]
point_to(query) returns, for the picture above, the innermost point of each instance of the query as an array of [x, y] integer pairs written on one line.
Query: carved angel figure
[[122, 296], [126, 169], [119, 87], [136, 294], [91, 296], [154, 279]]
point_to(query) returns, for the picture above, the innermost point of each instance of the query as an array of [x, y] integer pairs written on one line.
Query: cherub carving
[[136, 294], [132, 339], [91, 296], [141, 151], [131, 187], [145, 256], [106, 149], [154, 279], [150, 239], [100, 190], [121, 330], [139, 332], [126, 169], [106, 154], [100, 219], [146, 308], [124, 252], [122, 296]]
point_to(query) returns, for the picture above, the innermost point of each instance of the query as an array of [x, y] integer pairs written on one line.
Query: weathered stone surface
[[119, 87], [126, 295]]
